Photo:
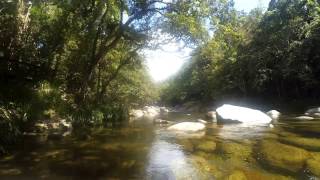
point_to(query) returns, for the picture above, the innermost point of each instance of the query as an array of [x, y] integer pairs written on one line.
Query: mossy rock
[[283, 133], [313, 164], [205, 166], [186, 144], [252, 174], [202, 154], [237, 175], [206, 146], [283, 156], [236, 150], [261, 175], [270, 136], [306, 143]]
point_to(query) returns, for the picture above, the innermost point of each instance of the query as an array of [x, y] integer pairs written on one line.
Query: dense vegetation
[[81, 60], [271, 56]]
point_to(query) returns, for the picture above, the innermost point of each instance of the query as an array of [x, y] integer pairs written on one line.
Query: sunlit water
[[143, 150]]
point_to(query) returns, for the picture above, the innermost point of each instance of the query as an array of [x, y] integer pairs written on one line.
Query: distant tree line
[[271, 56]]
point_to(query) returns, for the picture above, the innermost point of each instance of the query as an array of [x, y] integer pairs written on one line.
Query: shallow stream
[[290, 149]]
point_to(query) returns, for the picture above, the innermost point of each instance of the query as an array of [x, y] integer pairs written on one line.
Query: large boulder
[[188, 126], [274, 114], [151, 111], [315, 112], [237, 114], [136, 113], [283, 156]]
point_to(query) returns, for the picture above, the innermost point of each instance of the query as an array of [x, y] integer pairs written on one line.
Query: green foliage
[[12, 118], [274, 55]]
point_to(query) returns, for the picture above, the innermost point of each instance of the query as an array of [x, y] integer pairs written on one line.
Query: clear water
[[143, 150]]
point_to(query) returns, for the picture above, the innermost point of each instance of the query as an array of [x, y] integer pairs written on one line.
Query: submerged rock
[[274, 114], [307, 143], [188, 126], [260, 175], [236, 150], [206, 146], [204, 165], [313, 164], [237, 175], [186, 144], [236, 114], [283, 156]]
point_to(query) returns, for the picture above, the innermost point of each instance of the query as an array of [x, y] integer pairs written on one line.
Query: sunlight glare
[[166, 61]]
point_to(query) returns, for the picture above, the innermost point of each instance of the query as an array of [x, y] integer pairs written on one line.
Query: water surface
[[143, 150]]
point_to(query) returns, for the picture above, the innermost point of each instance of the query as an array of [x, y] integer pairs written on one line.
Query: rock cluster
[[148, 112]]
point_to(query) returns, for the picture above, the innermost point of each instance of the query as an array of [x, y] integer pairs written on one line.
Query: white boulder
[[304, 118], [237, 114], [136, 113], [151, 111], [188, 126], [274, 114], [202, 121], [161, 121], [315, 112]]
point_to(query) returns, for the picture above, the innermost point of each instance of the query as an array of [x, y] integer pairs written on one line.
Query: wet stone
[[261, 175], [10, 172], [203, 164], [186, 144], [313, 164], [235, 150], [206, 146], [283, 156], [306, 143], [237, 175]]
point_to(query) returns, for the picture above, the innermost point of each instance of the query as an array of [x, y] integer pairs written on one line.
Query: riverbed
[[288, 149]]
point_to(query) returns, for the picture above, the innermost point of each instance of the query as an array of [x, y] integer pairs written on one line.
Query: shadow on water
[[143, 150]]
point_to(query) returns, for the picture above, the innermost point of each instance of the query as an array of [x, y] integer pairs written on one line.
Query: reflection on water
[[142, 150]]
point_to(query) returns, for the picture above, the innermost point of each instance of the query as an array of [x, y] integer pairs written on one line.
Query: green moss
[[206, 146], [261, 175], [236, 150], [313, 164], [206, 166], [237, 175], [283, 156], [307, 143], [186, 144]]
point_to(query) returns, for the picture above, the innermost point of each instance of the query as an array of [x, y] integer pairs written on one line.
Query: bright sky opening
[[167, 60]]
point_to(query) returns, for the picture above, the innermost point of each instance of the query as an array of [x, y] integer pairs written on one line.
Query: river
[[143, 150]]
